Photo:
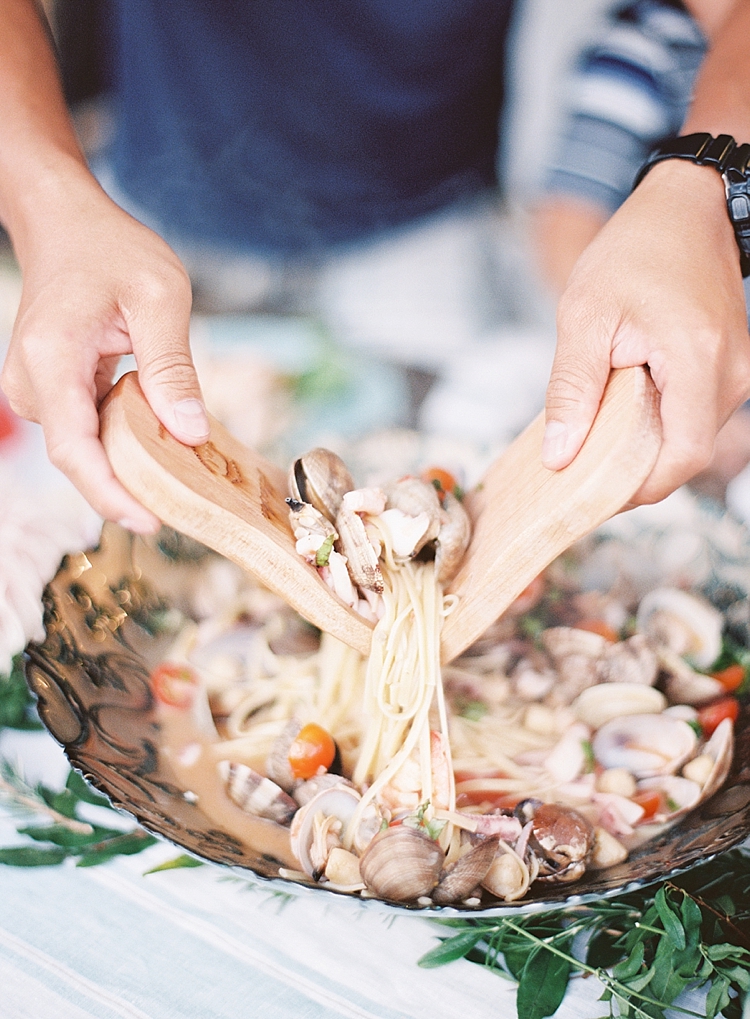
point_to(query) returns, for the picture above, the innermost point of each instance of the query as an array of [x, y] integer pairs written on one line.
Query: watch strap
[[729, 159]]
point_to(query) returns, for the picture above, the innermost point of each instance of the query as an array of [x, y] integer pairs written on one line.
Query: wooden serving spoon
[[232, 499]]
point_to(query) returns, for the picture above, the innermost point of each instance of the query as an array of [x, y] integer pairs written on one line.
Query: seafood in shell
[[320, 478], [401, 864], [683, 623], [459, 879], [561, 840], [646, 745], [257, 794]]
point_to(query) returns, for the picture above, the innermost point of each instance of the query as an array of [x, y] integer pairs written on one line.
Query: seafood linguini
[[552, 746]]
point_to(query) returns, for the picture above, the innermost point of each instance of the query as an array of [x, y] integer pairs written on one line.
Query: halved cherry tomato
[[713, 714], [600, 627], [732, 677], [650, 800], [174, 684], [312, 750], [443, 481], [529, 597], [9, 423]]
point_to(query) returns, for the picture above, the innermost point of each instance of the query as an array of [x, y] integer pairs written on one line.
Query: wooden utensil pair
[[232, 499]]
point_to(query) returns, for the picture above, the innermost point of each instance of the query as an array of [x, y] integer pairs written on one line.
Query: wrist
[[61, 190], [697, 160]]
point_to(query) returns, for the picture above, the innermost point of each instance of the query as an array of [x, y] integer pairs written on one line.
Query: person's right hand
[[97, 284]]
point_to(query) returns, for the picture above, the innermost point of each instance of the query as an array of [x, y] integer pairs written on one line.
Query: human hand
[[97, 285], [660, 286]]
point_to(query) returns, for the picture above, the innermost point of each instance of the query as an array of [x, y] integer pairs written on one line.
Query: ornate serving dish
[[91, 675]]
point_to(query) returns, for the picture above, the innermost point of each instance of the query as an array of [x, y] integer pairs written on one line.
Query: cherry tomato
[[174, 684], [732, 677], [600, 627], [650, 800], [713, 714], [312, 750], [443, 481], [9, 423], [529, 597]]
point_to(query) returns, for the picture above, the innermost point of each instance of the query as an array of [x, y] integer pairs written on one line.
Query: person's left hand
[[661, 286]]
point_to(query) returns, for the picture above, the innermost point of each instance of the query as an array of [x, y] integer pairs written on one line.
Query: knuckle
[[171, 366], [169, 285], [570, 385]]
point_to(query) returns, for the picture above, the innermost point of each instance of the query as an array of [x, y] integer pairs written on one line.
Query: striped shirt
[[629, 89]]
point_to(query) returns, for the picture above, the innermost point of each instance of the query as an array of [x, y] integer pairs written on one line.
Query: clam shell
[[561, 840], [684, 685], [509, 876], [256, 794], [599, 704], [646, 745], [362, 560], [321, 478], [413, 496], [629, 661], [683, 623], [461, 878], [401, 864], [453, 537], [338, 801]]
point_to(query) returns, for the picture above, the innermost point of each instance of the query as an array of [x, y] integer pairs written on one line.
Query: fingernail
[[555, 442], [191, 418], [138, 526]]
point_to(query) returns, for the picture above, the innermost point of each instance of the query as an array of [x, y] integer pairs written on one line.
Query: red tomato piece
[[9, 423], [732, 677], [713, 714], [600, 627], [529, 597], [312, 751], [650, 800], [442, 480], [174, 684]]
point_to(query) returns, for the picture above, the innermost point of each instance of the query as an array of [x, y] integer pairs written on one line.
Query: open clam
[[459, 879], [684, 623], [320, 478], [561, 840], [318, 825], [647, 745]]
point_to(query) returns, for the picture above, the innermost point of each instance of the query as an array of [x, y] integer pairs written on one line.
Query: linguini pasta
[[533, 758]]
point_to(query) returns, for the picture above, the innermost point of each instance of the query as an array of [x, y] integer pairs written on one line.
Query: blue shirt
[[288, 126]]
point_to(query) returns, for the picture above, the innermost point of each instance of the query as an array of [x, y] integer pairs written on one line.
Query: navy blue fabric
[[292, 125]]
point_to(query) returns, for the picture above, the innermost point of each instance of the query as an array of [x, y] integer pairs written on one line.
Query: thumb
[[159, 332], [579, 375]]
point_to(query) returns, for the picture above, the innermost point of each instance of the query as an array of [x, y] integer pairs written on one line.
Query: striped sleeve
[[629, 89]]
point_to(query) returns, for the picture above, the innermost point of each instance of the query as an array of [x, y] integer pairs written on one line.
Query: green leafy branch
[[63, 833], [646, 948], [17, 703]]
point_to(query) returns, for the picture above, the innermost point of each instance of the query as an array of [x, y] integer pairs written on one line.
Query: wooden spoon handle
[[224, 495], [524, 515]]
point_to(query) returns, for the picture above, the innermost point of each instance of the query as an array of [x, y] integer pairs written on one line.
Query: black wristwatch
[[731, 160]]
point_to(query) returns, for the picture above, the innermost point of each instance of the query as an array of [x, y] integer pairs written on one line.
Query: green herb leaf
[[79, 787], [474, 710], [124, 845], [59, 835], [324, 552], [451, 948], [542, 986], [672, 923], [175, 863], [632, 965], [33, 856], [17, 703]]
